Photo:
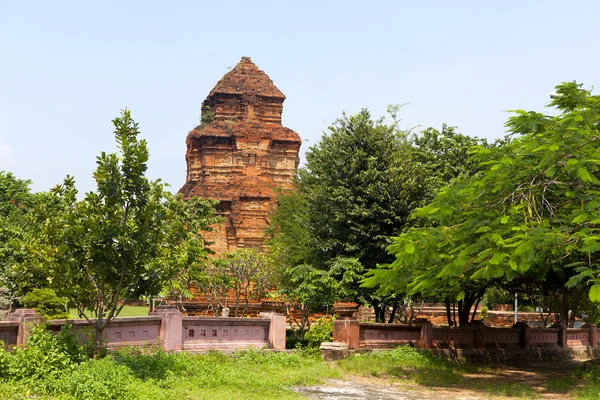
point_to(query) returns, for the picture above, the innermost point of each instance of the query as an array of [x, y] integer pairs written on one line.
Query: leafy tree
[[117, 243], [19, 211], [360, 184], [532, 211], [251, 277], [306, 290], [242, 274]]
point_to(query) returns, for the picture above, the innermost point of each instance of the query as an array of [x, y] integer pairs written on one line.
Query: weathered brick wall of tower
[[241, 154]]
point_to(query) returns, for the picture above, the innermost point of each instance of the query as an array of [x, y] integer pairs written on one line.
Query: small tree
[[116, 243], [244, 274]]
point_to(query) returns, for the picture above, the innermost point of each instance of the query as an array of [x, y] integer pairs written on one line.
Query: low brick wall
[[359, 335], [166, 327], [122, 332], [204, 333]]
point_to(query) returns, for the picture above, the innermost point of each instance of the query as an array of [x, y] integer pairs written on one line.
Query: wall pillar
[[426, 338], [480, 336], [27, 319], [277, 329], [593, 335], [523, 335], [347, 331], [171, 327]]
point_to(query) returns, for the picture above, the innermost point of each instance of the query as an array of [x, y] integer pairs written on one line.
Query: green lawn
[[127, 311]]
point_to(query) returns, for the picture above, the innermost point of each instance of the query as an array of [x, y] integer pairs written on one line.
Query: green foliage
[[307, 289], [360, 184], [484, 313], [47, 303], [7, 299], [19, 209], [46, 357], [530, 213], [319, 332], [94, 380], [128, 239], [207, 116], [245, 273], [155, 374]]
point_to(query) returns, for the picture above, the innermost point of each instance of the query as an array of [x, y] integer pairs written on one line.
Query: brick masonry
[[241, 155]]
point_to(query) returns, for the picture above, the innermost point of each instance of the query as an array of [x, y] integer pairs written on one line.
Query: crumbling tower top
[[246, 92]]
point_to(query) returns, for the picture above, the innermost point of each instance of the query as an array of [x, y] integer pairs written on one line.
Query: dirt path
[[491, 383]]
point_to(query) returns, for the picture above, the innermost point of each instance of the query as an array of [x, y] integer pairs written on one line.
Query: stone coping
[[226, 321], [118, 320], [9, 324], [389, 326]]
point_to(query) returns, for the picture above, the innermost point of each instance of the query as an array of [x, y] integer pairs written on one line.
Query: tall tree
[[117, 243], [533, 210], [360, 184]]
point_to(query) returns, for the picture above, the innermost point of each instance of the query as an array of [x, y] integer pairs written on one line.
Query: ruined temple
[[240, 155]]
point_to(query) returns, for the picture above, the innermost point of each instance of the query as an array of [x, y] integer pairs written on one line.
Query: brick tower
[[240, 154]]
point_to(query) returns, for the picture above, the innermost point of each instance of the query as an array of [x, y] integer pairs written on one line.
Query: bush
[[47, 303], [294, 341], [96, 379], [484, 313], [321, 331], [43, 358]]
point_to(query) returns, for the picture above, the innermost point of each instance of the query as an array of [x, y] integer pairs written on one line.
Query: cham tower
[[240, 155]]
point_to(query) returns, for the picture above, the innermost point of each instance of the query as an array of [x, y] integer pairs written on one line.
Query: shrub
[[96, 379], [7, 299], [484, 313], [47, 303], [293, 340], [42, 358], [320, 331]]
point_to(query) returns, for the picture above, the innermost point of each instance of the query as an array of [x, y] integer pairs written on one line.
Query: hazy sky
[[68, 67]]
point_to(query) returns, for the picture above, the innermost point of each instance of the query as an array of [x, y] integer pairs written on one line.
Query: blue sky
[[68, 67]]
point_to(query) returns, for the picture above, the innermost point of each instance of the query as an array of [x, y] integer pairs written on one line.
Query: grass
[[409, 364], [130, 374], [127, 311], [559, 384], [511, 389], [134, 374]]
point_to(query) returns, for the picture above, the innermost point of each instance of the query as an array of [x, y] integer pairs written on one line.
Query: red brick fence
[[359, 335], [165, 326]]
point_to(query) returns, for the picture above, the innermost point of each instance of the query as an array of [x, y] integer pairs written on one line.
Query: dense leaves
[[125, 240], [532, 212], [360, 184]]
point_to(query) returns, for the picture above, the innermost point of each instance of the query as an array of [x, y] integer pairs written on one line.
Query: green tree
[[19, 221], [118, 242], [532, 211], [360, 184]]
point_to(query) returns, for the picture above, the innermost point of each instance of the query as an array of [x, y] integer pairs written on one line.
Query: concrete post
[[426, 338], [347, 331], [27, 320], [171, 327], [480, 336], [277, 329]]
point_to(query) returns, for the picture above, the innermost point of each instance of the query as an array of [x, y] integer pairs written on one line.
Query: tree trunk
[[393, 314], [448, 312]]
